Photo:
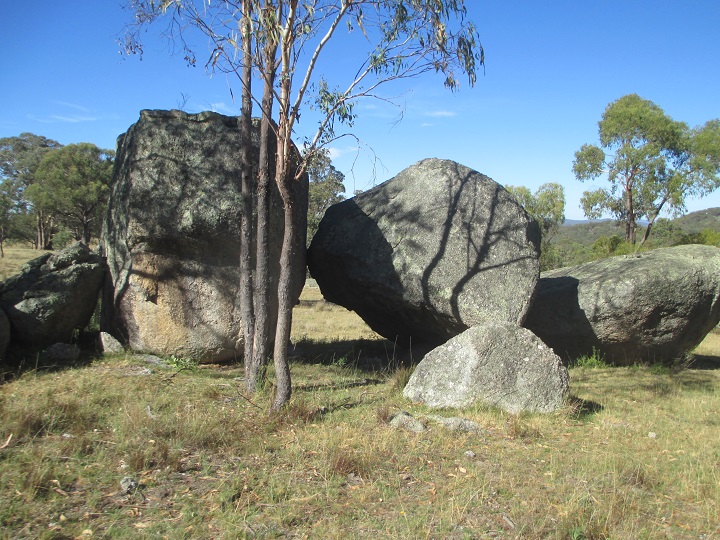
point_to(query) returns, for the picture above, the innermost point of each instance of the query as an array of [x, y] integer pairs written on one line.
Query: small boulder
[[52, 296], [648, 307], [429, 253], [404, 420], [110, 345], [498, 364]]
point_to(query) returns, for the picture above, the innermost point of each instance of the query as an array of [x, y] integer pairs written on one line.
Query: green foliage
[[609, 246], [181, 363], [596, 360], [326, 188], [547, 207], [20, 158], [73, 182], [652, 163]]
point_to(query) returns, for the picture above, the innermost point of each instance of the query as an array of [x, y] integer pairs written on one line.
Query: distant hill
[[586, 232], [695, 222]]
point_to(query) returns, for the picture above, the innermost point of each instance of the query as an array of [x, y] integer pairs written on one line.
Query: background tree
[[19, 159], [283, 40], [326, 189], [72, 183], [547, 207], [653, 163]]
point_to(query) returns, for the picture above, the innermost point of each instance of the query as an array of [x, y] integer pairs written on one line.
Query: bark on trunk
[[246, 223], [263, 334]]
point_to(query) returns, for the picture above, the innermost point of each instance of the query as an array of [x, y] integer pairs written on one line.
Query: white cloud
[[336, 153], [440, 114], [73, 106], [73, 119], [224, 108]]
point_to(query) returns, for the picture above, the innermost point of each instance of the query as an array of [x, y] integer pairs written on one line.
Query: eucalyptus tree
[[547, 207], [653, 163], [72, 184], [278, 43], [19, 159], [326, 189]]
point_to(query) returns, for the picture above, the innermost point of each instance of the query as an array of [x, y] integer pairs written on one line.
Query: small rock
[[470, 454], [406, 421], [109, 344], [128, 484]]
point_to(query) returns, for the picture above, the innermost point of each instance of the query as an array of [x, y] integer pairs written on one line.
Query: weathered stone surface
[[404, 420], [52, 296], [172, 237], [110, 345], [498, 364], [649, 307], [429, 253]]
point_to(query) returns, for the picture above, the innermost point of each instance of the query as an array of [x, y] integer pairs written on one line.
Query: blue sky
[[552, 68]]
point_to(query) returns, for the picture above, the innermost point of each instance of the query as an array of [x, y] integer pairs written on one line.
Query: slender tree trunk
[[283, 382], [246, 220], [630, 225], [263, 337]]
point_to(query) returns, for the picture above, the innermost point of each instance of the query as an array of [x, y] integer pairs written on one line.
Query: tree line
[[50, 193]]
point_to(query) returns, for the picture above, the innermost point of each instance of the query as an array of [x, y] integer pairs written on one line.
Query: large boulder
[[649, 307], [172, 236], [498, 364], [52, 296], [429, 253]]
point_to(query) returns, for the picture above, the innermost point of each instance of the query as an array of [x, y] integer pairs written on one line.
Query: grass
[[633, 455], [15, 257]]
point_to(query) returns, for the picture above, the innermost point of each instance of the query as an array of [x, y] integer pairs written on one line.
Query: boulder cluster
[[443, 259], [440, 259]]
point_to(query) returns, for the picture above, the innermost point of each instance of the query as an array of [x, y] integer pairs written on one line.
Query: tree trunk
[[263, 337], [263, 315], [246, 220], [283, 383], [630, 225]]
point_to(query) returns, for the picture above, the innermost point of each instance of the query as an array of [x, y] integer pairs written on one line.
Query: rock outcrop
[[429, 253], [498, 364], [648, 307], [172, 236], [52, 296]]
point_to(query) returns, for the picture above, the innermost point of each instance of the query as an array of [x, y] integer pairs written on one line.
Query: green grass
[[15, 257], [633, 455]]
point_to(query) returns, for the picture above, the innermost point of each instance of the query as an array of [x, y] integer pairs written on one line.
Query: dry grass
[[633, 455], [15, 257]]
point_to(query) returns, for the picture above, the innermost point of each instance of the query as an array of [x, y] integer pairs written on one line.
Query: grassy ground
[[633, 455], [15, 257]]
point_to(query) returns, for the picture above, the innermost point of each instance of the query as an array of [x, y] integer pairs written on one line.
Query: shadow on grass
[[21, 361], [366, 355], [583, 409], [704, 362]]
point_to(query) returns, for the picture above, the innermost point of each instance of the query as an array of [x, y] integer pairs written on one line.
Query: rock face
[[429, 253], [651, 307], [4, 334], [52, 296], [498, 364], [171, 236]]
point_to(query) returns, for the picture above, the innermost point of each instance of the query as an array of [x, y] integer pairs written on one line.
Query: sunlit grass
[[633, 455], [15, 257]]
